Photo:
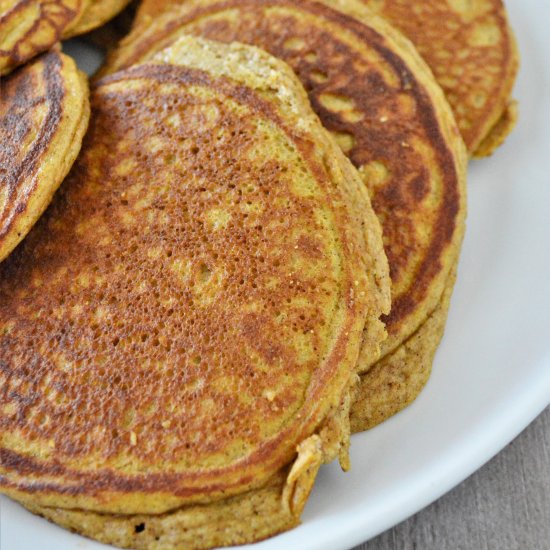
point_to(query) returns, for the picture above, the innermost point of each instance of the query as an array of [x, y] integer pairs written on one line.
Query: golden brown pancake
[[44, 112], [374, 93], [471, 49], [208, 283], [30, 27]]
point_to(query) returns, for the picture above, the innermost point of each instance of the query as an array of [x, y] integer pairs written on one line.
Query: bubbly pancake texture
[[188, 313], [44, 112], [29, 27], [371, 90], [470, 47]]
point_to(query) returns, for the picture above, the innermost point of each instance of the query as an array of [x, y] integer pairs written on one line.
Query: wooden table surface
[[503, 506]]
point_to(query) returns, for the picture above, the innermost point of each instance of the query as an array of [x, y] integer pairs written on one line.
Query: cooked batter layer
[[471, 50], [190, 309], [371, 90], [29, 27], [44, 111]]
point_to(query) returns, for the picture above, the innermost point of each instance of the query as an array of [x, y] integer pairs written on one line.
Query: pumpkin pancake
[[30, 27], [44, 112], [373, 92], [210, 264], [471, 49]]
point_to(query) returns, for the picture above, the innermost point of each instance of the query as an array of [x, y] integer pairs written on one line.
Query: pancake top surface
[[470, 48], [43, 114], [191, 305], [29, 27], [380, 102], [468, 45]]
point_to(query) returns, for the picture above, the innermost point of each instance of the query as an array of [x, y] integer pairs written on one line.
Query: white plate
[[492, 372]]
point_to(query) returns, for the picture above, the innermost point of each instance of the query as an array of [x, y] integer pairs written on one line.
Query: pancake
[[44, 112], [377, 97], [396, 381], [469, 46], [471, 49], [208, 287], [30, 27]]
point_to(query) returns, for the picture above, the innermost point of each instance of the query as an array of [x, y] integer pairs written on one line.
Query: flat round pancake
[[470, 47], [189, 311], [29, 27], [44, 112], [396, 381], [370, 88]]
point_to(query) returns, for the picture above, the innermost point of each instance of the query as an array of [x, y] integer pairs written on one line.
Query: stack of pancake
[[235, 249]]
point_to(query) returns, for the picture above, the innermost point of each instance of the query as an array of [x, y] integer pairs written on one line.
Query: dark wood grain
[[503, 506]]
